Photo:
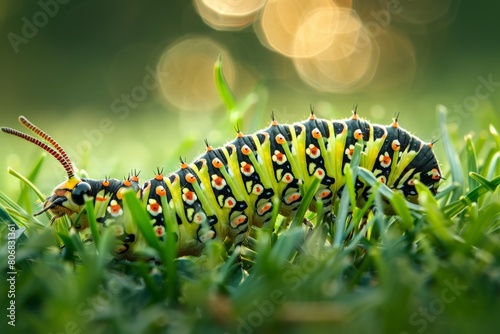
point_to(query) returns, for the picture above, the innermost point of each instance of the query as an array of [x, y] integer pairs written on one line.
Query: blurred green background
[[67, 76], [129, 85]]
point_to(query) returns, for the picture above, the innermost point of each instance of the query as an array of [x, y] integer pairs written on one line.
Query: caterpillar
[[226, 190]]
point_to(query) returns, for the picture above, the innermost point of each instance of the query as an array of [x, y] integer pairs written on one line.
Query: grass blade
[[454, 208], [304, 204], [222, 86], [495, 135], [27, 182], [24, 195], [384, 190], [471, 160], [493, 165], [451, 155], [142, 221], [347, 197], [94, 229]]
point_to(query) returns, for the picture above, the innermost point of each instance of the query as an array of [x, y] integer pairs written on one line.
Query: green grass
[[431, 268]]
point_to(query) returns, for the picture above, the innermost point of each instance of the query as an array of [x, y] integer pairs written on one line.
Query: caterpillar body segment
[[245, 182]]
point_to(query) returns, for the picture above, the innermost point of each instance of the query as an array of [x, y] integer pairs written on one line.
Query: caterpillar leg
[[308, 227]]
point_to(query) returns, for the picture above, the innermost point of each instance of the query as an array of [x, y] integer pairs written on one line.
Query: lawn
[[131, 85], [429, 268]]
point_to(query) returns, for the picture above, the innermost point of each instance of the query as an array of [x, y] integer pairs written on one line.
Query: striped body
[[227, 189]]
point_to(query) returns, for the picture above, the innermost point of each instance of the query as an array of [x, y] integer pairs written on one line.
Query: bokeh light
[[347, 63], [397, 63], [424, 11], [341, 47], [228, 14], [281, 20], [185, 73], [316, 32]]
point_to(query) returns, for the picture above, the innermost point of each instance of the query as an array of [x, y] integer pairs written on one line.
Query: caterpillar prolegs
[[227, 189]]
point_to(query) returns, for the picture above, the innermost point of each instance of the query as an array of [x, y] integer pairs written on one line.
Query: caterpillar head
[[68, 197]]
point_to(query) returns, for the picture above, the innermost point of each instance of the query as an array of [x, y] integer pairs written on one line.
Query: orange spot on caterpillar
[[435, 174], [280, 139], [264, 208], [154, 207], [385, 160], [219, 181], [238, 221], [217, 163], [292, 198], [312, 151], [115, 209], [316, 133], [323, 194], [287, 178], [161, 191], [105, 183], [278, 157], [100, 199], [245, 150], [258, 189], [159, 177], [190, 178], [349, 151], [320, 173], [395, 145], [247, 168], [188, 195], [358, 134], [127, 183], [159, 230]]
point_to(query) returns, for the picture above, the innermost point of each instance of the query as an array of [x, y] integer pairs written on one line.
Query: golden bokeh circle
[[185, 73]]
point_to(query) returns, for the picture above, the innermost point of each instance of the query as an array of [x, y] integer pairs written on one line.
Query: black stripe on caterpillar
[[227, 189]]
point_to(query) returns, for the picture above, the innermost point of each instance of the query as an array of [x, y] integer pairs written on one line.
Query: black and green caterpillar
[[227, 189]]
